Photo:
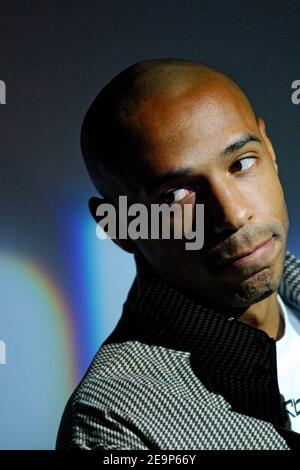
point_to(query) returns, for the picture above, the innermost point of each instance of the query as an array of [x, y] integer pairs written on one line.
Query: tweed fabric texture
[[175, 374]]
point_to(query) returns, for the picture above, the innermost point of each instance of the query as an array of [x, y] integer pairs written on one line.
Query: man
[[194, 361]]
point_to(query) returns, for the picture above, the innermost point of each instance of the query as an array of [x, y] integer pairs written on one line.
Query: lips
[[246, 255]]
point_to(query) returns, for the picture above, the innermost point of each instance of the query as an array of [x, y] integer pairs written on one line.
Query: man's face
[[205, 142]]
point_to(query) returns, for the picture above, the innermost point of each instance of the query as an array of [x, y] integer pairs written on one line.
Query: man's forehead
[[203, 109], [198, 123]]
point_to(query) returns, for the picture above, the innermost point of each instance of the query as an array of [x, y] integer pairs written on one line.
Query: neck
[[265, 315]]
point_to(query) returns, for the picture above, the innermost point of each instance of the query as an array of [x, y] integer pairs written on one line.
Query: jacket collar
[[230, 357]]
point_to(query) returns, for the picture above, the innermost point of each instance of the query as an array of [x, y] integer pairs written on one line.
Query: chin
[[254, 289]]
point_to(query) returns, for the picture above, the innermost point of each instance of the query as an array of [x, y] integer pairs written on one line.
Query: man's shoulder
[[123, 370], [289, 288], [124, 382], [139, 396], [132, 362]]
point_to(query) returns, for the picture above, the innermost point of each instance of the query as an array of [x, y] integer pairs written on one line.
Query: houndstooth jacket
[[178, 375]]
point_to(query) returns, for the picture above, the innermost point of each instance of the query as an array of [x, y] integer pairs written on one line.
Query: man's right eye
[[175, 195]]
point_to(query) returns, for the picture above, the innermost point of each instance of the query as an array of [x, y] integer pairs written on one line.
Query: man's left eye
[[243, 164]]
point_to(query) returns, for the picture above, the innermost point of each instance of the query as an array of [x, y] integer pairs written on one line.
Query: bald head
[[167, 131], [115, 129]]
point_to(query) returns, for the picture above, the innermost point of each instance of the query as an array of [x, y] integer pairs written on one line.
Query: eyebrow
[[239, 144], [158, 181]]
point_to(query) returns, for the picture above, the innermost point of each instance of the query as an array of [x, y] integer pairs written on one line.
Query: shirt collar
[[230, 357]]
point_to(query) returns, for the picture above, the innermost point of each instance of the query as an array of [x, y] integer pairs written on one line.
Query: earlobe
[[126, 244], [262, 128], [94, 203], [261, 125]]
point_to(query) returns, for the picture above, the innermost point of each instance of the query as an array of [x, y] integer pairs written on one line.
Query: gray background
[[56, 55]]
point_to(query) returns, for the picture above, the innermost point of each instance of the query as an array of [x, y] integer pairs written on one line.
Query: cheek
[[274, 196], [266, 192]]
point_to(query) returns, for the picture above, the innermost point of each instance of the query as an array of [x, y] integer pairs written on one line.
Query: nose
[[230, 207]]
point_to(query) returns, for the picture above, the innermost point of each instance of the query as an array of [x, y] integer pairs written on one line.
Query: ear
[[126, 244], [262, 128]]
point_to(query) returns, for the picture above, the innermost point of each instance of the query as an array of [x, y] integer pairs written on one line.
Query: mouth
[[251, 255]]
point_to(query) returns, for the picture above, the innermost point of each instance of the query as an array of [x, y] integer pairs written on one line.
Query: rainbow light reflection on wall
[[40, 370]]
